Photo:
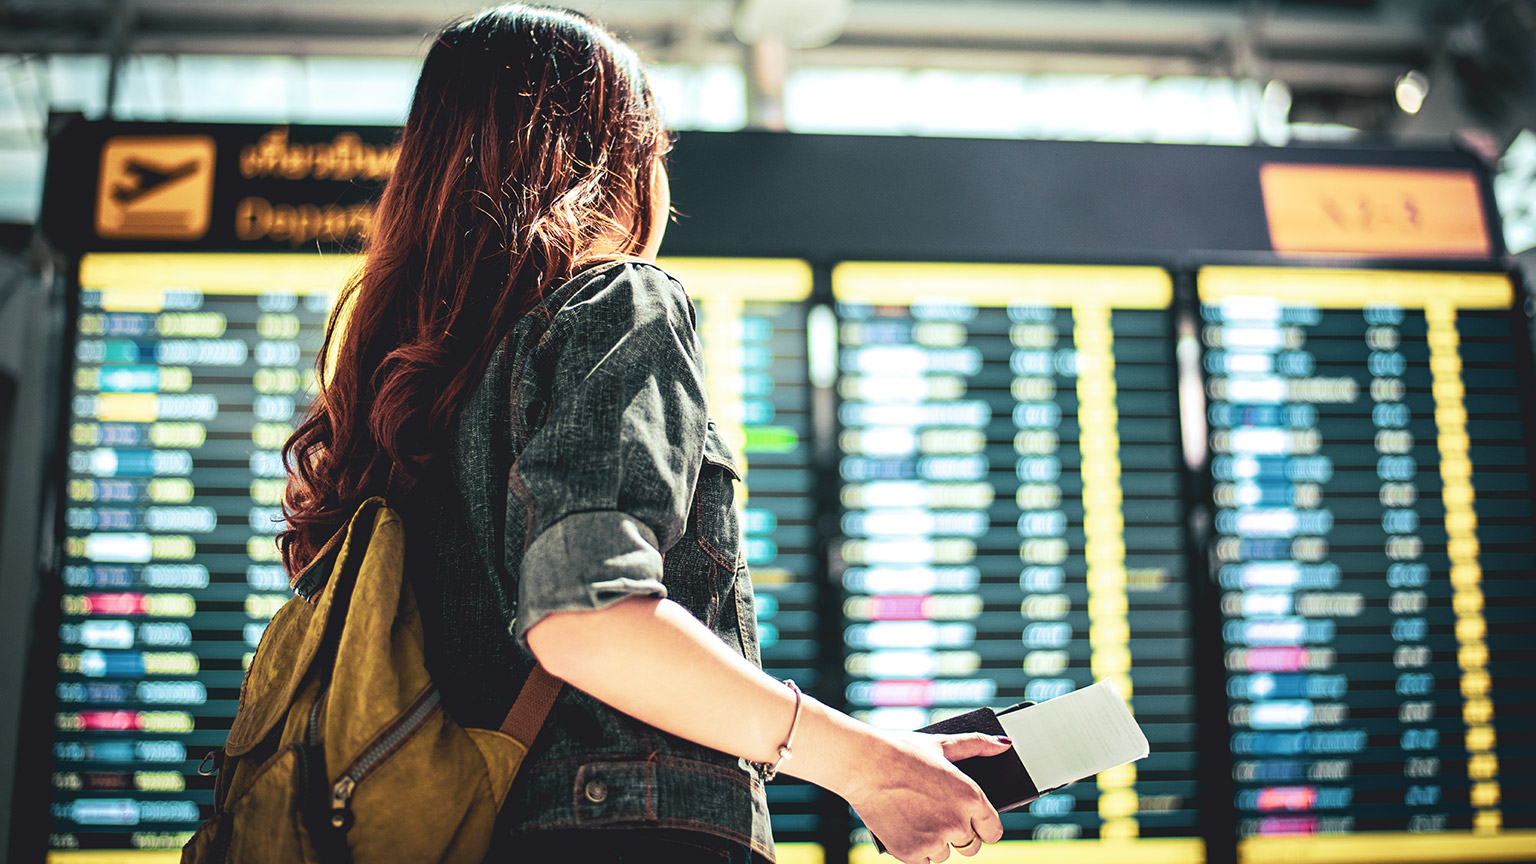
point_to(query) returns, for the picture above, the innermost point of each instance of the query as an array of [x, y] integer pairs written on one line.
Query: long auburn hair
[[528, 153]]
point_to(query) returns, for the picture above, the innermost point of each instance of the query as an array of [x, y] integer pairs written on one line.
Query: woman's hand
[[918, 803]]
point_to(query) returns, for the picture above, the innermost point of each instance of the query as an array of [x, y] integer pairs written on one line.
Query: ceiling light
[[1412, 87]]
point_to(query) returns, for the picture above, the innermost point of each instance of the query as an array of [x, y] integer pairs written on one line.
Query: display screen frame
[[1351, 847], [1176, 250]]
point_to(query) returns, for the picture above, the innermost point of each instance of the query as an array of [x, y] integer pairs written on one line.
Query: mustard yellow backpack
[[340, 750]]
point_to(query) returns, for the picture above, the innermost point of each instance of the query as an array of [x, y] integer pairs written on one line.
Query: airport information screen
[[1011, 513], [1374, 548], [191, 370], [995, 490], [189, 373]]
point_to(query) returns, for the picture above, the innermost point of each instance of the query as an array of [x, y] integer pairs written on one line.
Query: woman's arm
[[652, 660]]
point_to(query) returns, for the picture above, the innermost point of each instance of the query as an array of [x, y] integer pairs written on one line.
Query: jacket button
[[597, 791]]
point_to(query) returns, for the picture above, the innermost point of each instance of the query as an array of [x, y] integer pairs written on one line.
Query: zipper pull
[[211, 763], [341, 803]]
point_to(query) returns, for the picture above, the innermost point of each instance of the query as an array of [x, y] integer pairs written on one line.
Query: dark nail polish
[[1005, 740]]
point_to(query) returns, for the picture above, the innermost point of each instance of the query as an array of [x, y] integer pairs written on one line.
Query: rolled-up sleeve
[[606, 482]]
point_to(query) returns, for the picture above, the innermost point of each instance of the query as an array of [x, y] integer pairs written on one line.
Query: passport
[[1055, 743]]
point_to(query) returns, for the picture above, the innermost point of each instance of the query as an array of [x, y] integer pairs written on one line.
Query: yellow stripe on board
[[1399, 848], [1458, 492], [1355, 289], [895, 283], [787, 853], [115, 857], [139, 279], [1143, 850], [1104, 544], [741, 279], [800, 853], [124, 275], [1364, 848]]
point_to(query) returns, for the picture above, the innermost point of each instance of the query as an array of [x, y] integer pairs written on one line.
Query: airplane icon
[[155, 187], [147, 178]]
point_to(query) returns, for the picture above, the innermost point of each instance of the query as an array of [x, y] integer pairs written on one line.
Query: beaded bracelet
[[766, 770]]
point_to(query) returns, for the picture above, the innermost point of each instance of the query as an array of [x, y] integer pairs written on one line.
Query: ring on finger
[[974, 841]]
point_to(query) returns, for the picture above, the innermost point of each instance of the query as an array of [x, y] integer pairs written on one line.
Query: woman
[[533, 380]]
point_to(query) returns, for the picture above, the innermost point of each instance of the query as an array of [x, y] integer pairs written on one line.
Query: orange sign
[[155, 187], [1361, 210]]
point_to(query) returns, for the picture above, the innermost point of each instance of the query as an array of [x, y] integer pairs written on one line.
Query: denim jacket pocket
[[714, 503], [711, 545], [718, 453], [746, 617]]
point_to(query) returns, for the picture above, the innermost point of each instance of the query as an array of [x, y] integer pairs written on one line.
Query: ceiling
[[1340, 59], [1352, 42]]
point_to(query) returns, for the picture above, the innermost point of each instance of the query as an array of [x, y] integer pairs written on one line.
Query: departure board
[[1374, 548], [1287, 510], [1012, 518], [191, 370], [1012, 526], [752, 325]]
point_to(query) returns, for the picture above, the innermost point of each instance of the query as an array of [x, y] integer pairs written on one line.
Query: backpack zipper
[[310, 750], [363, 765], [312, 780], [312, 733]]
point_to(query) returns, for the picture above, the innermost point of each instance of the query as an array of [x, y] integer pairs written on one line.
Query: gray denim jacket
[[586, 470]]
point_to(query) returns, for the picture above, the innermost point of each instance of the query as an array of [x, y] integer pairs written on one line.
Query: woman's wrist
[[768, 770], [835, 751]]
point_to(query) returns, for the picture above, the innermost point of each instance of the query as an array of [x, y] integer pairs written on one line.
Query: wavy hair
[[527, 154]]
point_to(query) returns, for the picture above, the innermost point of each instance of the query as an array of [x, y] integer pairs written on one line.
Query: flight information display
[[190, 372], [1374, 544], [1012, 524]]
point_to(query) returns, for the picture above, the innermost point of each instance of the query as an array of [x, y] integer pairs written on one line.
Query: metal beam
[[115, 45], [1197, 35]]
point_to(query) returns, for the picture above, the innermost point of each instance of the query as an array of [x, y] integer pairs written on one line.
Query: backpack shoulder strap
[[532, 706]]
